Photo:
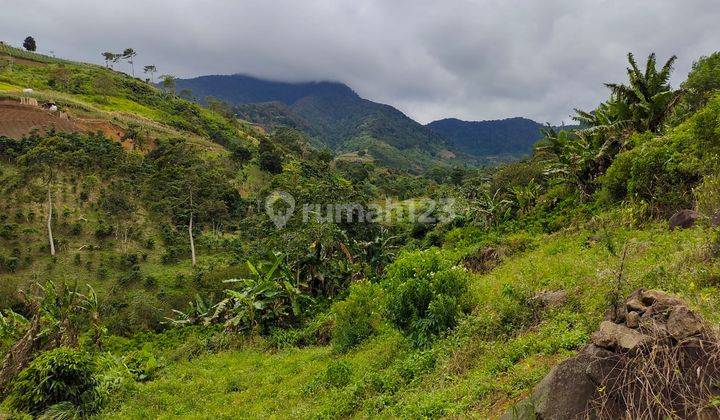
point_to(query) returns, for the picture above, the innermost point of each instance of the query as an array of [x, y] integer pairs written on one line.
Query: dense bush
[[62, 375], [703, 81], [661, 171], [357, 317], [426, 294]]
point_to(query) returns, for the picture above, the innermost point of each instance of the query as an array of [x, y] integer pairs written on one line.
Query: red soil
[[18, 120]]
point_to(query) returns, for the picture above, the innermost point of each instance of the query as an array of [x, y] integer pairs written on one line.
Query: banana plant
[[268, 296], [12, 324], [91, 305], [197, 313]]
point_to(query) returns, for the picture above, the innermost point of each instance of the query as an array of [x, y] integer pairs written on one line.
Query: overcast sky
[[470, 59]]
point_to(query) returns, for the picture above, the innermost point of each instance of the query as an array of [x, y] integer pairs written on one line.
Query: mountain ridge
[[513, 137], [333, 114], [337, 117]]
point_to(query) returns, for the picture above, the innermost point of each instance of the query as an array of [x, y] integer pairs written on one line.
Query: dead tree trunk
[[49, 220], [192, 241]]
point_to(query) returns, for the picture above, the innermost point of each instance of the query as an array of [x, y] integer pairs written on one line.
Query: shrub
[[103, 230], [151, 282], [142, 364], [316, 332], [76, 229], [270, 162], [426, 294], [62, 375], [661, 171], [337, 374], [707, 195], [357, 317]]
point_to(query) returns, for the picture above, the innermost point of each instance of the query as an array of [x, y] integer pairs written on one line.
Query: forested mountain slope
[[331, 113], [512, 137]]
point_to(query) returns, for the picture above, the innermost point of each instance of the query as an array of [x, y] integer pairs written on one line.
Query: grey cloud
[[471, 59]]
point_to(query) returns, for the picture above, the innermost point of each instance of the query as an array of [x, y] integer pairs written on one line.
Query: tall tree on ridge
[[151, 69], [29, 44], [129, 54], [109, 57], [168, 83]]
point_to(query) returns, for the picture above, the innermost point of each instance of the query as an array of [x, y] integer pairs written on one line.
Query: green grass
[[28, 55], [120, 104], [8, 86], [494, 357]]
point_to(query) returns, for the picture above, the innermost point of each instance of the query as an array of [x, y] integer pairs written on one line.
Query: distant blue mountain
[[509, 137]]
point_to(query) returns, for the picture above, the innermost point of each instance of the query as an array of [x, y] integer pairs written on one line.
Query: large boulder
[[683, 219], [648, 320], [570, 380], [683, 323]]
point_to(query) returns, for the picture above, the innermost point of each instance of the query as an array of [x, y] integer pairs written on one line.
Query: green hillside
[[172, 292]]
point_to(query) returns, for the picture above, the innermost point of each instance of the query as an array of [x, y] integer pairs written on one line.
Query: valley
[[168, 250]]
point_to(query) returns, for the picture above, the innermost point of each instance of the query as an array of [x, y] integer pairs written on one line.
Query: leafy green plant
[[62, 375], [426, 294], [142, 364], [269, 298], [357, 317]]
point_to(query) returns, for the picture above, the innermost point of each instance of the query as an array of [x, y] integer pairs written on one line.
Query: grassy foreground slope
[[495, 356]]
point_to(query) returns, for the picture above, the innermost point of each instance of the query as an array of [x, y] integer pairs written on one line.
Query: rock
[[551, 298], [602, 363], [635, 305], [523, 410], [614, 336], [633, 320], [715, 220], [683, 219], [649, 319], [565, 391], [656, 297], [683, 323]]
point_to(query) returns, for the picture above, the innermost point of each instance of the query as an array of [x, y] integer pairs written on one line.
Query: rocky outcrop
[[653, 333], [683, 219], [551, 298]]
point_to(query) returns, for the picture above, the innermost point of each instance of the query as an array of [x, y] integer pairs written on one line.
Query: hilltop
[[333, 115]]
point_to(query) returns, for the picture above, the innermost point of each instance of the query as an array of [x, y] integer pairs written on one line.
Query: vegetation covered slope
[[332, 114], [497, 353], [511, 137], [395, 316]]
